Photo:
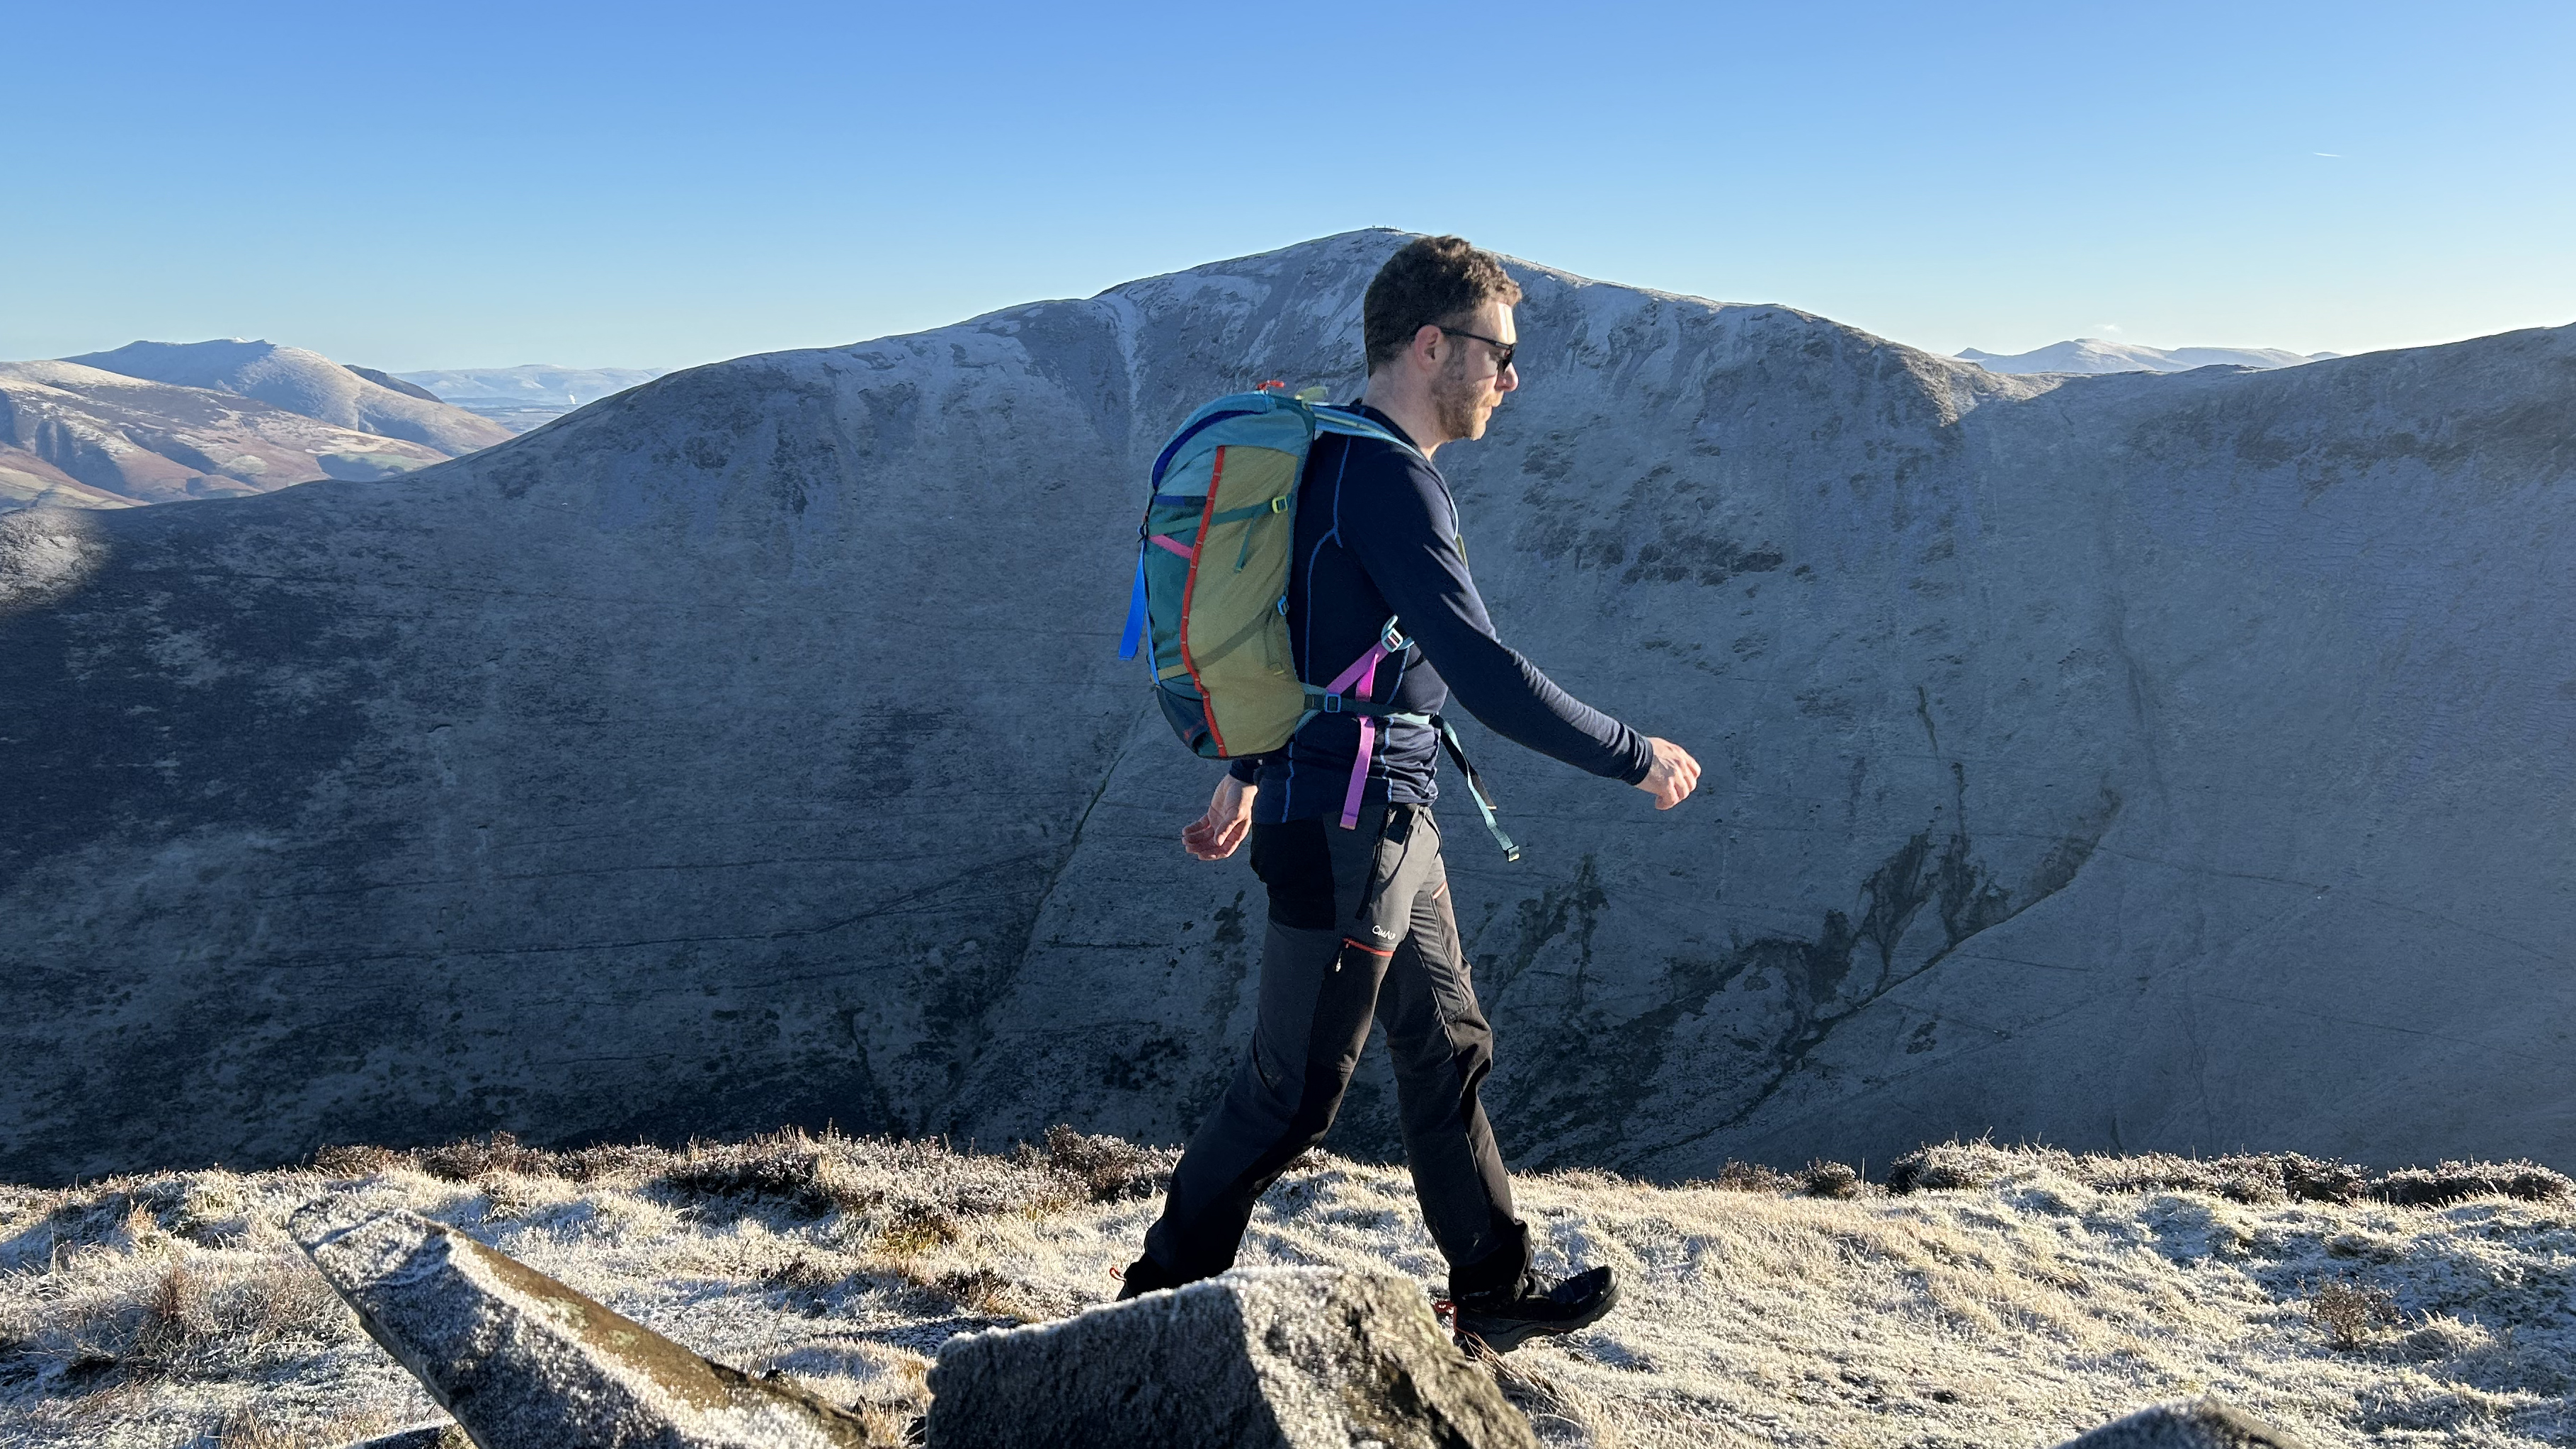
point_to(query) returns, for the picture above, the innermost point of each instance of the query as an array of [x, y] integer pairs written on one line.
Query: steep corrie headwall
[[2136, 762]]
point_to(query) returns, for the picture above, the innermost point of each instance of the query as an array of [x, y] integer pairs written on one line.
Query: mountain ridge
[[535, 382], [2093, 355], [2073, 743]]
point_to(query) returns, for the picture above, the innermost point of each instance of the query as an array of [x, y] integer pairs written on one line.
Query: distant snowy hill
[[305, 382], [2092, 354], [520, 398], [84, 437], [534, 383]]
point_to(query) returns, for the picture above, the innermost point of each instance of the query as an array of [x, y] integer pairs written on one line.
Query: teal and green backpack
[[1210, 604]]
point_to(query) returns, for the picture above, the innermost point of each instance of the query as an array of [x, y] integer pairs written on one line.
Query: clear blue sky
[[443, 185]]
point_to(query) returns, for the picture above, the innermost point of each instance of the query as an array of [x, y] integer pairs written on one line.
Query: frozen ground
[[2006, 1298]]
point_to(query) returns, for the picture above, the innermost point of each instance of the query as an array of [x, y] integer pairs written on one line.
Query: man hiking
[[1361, 925]]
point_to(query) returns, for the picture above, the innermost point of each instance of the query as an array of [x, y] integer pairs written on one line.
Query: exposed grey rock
[[1297, 1358], [524, 1362], [2151, 762], [2196, 1424]]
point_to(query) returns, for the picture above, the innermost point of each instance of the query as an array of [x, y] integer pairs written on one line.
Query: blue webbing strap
[[1135, 634], [1476, 788]]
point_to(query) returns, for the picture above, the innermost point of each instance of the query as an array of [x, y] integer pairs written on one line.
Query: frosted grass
[[2021, 1308]]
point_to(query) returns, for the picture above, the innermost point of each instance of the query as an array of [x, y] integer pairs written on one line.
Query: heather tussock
[[2002, 1297]]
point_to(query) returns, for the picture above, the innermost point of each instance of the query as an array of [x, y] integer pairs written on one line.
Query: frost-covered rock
[[1262, 1358], [524, 1362], [2197, 1424]]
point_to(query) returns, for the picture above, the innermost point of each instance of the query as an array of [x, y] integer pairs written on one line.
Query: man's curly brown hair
[[1429, 282]]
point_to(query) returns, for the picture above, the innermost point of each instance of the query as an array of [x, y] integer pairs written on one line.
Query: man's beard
[[1454, 405]]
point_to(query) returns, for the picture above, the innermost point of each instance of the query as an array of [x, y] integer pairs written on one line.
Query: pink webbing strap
[[1356, 682], [1176, 546], [1359, 775]]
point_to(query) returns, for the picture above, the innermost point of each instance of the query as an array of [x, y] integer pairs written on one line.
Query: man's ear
[[1426, 338]]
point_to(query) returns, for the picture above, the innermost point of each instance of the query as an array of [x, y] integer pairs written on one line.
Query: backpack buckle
[[1332, 704]]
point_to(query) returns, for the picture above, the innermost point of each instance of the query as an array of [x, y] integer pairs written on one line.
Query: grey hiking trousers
[[1361, 928]]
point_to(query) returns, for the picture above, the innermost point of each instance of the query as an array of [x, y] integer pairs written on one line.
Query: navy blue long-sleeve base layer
[[1377, 537]]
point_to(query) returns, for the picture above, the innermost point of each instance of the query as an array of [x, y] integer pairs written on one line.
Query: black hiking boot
[[1146, 1276], [1501, 1318]]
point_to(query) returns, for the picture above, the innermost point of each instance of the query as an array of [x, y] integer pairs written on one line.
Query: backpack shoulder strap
[[1352, 425]]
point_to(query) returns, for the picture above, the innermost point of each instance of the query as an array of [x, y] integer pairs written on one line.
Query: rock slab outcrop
[[1296, 1358], [2194, 1424], [524, 1362]]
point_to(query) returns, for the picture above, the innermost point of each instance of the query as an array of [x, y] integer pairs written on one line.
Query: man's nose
[[1509, 379]]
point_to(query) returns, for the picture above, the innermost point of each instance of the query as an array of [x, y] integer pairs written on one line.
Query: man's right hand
[[1673, 775], [1214, 836]]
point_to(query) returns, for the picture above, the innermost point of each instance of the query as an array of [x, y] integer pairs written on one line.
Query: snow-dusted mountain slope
[[78, 437], [304, 382], [2091, 354], [2132, 761]]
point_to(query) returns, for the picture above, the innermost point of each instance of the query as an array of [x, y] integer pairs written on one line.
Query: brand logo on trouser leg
[[1381, 952]]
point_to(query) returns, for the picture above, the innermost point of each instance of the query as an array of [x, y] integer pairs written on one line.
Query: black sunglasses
[[1502, 350]]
